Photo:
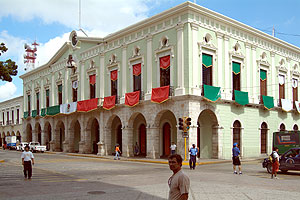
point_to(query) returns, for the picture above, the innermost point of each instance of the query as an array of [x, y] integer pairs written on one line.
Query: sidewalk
[[200, 161]]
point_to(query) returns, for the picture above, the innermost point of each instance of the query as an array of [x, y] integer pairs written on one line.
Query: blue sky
[[50, 22]]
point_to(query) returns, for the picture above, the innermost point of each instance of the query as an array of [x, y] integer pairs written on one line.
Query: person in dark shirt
[[235, 158]]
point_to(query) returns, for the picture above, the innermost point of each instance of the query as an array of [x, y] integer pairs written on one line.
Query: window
[[282, 127], [263, 138], [295, 90], [207, 62], [28, 105], [47, 99], [237, 133], [92, 86], [3, 121], [7, 120], [137, 85], [18, 116], [74, 90], [114, 83], [12, 117], [164, 71], [281, 86], [59, 94], [295, 127], [38, 103], [236, 78], [263, 84]]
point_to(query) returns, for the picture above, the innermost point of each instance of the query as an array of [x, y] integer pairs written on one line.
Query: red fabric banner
[[137, 70], [87, 105], [164, 62], [132, 98], [93, 79], [160, 95], [114, 75], [109, 102]]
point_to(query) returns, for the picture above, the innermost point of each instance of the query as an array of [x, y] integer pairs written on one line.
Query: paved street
[[58, 176]]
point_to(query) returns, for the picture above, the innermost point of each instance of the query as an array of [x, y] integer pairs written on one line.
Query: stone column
[[88, 148], [149, 67], [217, 146], [153, 142], [220, 60], [66, 146], [34, 135], [44, 137], [107, 141], [195, 57], [227, 78], [180, 62], [57, 141], [127, 142]]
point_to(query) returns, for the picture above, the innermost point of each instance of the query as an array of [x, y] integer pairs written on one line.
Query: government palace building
[[236, 83]]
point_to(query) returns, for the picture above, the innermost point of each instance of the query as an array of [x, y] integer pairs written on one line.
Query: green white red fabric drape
[[132, 98]]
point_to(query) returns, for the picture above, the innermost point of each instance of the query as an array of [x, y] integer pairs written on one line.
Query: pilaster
[[248, 71], [149, 68], [82, 84], [195, 60], [255, 90], [288, 87], [273, 78], [219, 67], [124, 71], [227, 77], [127, 142], [180, 90], [153, 142], [102, 72]]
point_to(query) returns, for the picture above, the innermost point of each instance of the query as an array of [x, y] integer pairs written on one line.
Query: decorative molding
[[135, 59], [170, 49]]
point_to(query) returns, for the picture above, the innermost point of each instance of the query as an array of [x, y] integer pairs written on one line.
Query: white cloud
[[7, 91], [105, 15]]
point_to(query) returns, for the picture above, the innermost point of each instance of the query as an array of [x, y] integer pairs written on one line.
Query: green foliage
[[8, 68]]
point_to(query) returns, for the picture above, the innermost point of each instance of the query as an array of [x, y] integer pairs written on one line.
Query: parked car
[[21, 146], [36, 147], [290, 160]]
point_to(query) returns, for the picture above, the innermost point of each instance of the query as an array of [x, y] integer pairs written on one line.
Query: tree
[[8, 68]]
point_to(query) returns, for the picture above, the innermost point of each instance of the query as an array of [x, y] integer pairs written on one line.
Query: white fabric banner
[[68, 108], [286, 105], [295, 83], [281, 79], [297, 104]]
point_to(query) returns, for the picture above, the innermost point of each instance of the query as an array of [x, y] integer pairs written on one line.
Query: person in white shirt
[[173, 148], [27, 160], [275, 164]]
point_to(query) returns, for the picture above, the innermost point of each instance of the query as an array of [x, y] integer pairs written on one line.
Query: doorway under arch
[[77, 136], [166, 139], [263, 137], [116, 133], [236, 133], [61, 135], [95, 136]]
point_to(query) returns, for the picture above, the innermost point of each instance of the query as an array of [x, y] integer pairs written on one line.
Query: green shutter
[[60, 88], [241, 97], [47, 93], [53, 110], [34, 113], [268, 102], [206, 60], [25, 115], [212, 93], [236, 68], [263, 75], [43, 112]]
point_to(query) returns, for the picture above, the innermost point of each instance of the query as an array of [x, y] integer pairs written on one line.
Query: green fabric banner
[[206, 60], [25, 115], [43, 112], [241, 97], [236, 68], [34, 113], [212, 93], [47, 93], [53, 110], [263, 75], [268, 102], [60, 88]]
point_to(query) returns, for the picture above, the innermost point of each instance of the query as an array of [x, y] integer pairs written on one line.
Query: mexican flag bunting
[[132, 98], [87, 105], [297, 104], [109, 102], [286, 105], [160, 95], [53, 110], [68, 108]]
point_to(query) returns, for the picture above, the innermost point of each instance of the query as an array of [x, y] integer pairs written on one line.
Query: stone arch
[[116, 131], [165, 120], [38, 133], [207, 135], [138, 122], [47, 134], [93, 135], [75, 128], [60, 136], [28, 133]]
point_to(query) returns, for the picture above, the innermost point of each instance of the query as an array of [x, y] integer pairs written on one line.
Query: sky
[[50, 22]]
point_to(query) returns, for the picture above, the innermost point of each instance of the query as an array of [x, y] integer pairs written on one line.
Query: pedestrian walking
[[27, 162], [179, 182], [193, 154], [275, 162], [173, 148], [118, 151], [136, 149], [236, 159]]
